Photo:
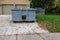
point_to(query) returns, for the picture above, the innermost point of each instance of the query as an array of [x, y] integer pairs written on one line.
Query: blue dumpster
[[23, 14]]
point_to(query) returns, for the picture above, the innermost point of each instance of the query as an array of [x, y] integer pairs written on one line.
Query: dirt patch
[[42, 25], [52, 29]]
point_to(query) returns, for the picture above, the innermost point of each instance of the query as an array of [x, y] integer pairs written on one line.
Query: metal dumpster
[[23, 14]]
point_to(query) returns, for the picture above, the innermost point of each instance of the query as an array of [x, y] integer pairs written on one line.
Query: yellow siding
[[16, 1]]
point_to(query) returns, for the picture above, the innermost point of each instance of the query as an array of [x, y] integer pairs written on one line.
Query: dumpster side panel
[[27, 17], [16, 15], [31, 15]]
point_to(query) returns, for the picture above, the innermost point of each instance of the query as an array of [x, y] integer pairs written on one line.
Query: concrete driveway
[[20, 31]]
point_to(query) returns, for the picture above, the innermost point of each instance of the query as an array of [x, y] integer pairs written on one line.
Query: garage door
[[7, 9]]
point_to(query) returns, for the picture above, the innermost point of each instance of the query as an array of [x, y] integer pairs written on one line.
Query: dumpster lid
[[24, 9]]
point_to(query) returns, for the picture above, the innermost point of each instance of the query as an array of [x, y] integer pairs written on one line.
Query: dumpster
[[40, 10], [23, 14]]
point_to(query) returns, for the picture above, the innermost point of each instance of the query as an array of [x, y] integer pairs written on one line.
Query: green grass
[[52, 22]]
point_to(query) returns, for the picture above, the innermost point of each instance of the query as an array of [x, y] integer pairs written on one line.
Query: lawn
[[52, 22]]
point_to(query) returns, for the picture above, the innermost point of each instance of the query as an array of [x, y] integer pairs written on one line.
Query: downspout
[[30, 2], [14, 4]]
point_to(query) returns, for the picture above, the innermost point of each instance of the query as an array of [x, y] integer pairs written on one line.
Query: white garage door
[[7, 9]]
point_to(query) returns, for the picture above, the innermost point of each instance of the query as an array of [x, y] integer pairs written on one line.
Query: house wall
[[5, 5], [16, 1]]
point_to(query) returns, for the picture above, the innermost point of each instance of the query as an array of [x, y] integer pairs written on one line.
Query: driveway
[[23, 31], [7, 27]]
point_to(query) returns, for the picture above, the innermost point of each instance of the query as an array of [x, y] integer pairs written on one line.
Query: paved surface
[[21, 37], [7, 27], [24, 31], [50, 36], [41, 36]]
